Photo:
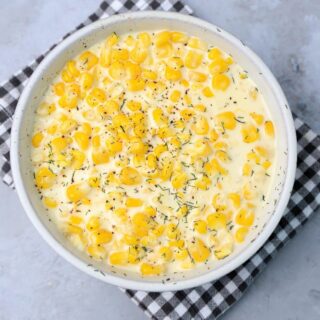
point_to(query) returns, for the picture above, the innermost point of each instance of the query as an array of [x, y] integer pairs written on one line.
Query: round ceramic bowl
[[86, 37]]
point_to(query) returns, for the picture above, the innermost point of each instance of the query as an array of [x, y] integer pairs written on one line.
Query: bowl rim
[[155, 286]]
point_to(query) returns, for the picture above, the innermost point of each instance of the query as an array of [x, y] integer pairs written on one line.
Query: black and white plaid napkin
[[211, 300]]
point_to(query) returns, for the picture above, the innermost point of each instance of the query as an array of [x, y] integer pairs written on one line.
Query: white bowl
[[53, 63]]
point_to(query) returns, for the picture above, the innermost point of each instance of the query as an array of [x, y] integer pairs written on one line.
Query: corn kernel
[[134, 202], [250, 133], [245, 218], [199, 251], [88, 60], [200, 226], [240, 234], [193, 59], [118, 258], [220, 82], [101, 236], [44, 178], [217, 221], [269, 129], [50, 202], [100, 157], [147, 269], [129, 176], [37, 139]]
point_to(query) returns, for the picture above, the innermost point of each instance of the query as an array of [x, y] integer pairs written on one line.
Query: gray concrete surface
[[35, 283]]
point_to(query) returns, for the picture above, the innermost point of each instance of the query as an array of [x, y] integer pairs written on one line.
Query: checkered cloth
[[211, 300]]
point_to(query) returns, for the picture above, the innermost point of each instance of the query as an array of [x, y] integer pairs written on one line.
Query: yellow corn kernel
[[187, 113], [71, 229], [37, 139], [172, 74], [88, 60], [134, 202], [176, 243], [94, 182], [258, 118], [112, 39], [213, 135], [179, 180], [201, 148], [130, 240], [86, 81], [59, 144], [214, 167], [105, 57], [129, 176], [151, 161], [150, 211], [52, 129], [96, 97], [246, 170], [240, 234], [150, 75], [136, 146], [179, 37], [72, 69], [245, 218], [250, 133], [96, 141], [222, 155], [167, 169], [200, 226], [220, 82], [253, 93], [100, 157], [197, 43], [144, 38], [197, 76], [46, 109], [139, 53], [78, 158], [117, 70], [226, 120], [235, 199], [269, 129], [76, 192], [193, 59], [119, 55], [214, 53], [59, 88], [93, 223], [248, 193], [118, 258], [172, 231], [175, 95], [101, 236], [253, 157], [207, 92], [223, 252], [136, 84], [217, 221], [133, 105], [203, 183], [158, 230], [133, 69], [218, 66], [147, 269], [266, 164], [166, 253], [97, 252], [262, 151], [162, 38], [113, 146], [119, 212], [68, 101], [50, 202], [198, 250], [201, 127], [82, 140], [184, 83], [75, 220], [181, 254], [159, 149], [159, 117]]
